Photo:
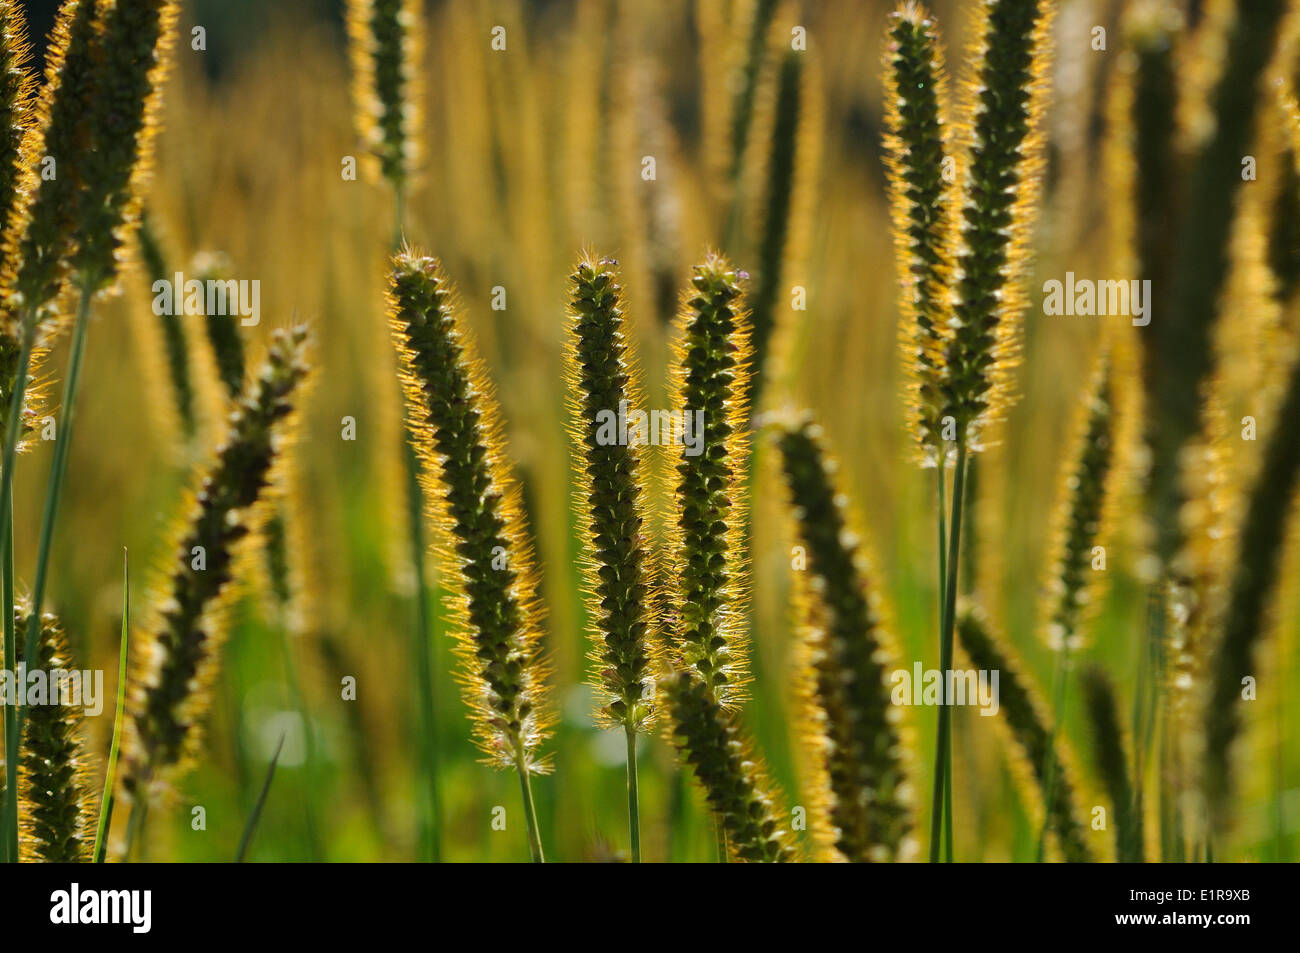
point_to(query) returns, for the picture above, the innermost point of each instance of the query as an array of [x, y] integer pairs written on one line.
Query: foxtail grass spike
[[1263, 534], [778, 210], [385, 39], [135, 47], [38, 238], [476, 508], [1002, 168], [916, 148], [1183, 358], [1109, 753], [853, 726], [1083, 512], [178, 654], [1029, 726], [222, 328], [709, 375], [17, 102], [54, 779], [1146, 166], [761, 13], [154, 262], [733, 781], [17, 99], [604, 391]]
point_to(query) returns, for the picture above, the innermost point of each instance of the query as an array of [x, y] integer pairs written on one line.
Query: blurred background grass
[[527, 156]]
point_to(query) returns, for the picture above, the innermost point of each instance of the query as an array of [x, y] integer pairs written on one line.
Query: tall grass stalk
[[476, 508], [386, 42], [9, 803], [603, 385], [59, 465]]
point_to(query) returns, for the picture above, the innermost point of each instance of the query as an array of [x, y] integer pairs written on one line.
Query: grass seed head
[[603, 384], [222, 328], [39, 234], [53, 779], [1025, 717], [1002, 136], [1084, 511], [1253, 578], [177, 659], [1109, 753], [709, 376], [134, 56], [852, 725], [153, 260], [385, 38], [475, 506], [916, 148], [733, 781]]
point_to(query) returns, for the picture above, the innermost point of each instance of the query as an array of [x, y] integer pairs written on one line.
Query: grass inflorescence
[[853, 727], [54, 782], [385, 38], [1029, 725], [733, 781], [712, 360], [1001, 132], [178, 656], [916, 147], [476, 511]]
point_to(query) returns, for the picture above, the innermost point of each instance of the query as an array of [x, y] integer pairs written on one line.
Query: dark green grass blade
[[256, 813]]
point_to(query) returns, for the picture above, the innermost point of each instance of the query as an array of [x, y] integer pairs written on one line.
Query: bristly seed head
[[709, 375], [602, 386], [733, 781], [39, 234], [1024, 714], [177, 659], [1002, 168], [851, 722], [133, 58], [385, 40], [53, 782], [1087, 496], [475, 506], [916, 149]]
